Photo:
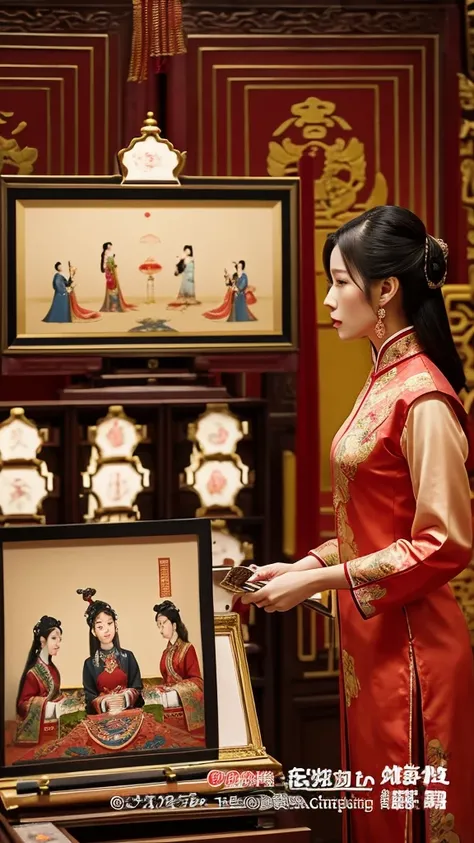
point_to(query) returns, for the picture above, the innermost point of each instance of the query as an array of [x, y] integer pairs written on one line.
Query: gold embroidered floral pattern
[[180, 649], [327, 552], [361, 394], [351, 682], [441, 825], [384, 379], [110, 663], [442, 828], [374, 567], [364, 596], [332, 559], [406, 346], [436, 755], [357, 443]]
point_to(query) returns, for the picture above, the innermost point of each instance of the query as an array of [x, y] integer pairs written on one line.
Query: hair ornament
[[444, 248], [95, 607], [45, 623]]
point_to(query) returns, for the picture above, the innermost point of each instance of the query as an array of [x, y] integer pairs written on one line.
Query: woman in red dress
[[39, 688], [114, 301], [179, 667], [404, 530]]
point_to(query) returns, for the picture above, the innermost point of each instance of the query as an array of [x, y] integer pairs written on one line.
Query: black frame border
[[285, 191]]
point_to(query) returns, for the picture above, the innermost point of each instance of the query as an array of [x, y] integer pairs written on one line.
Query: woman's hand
[[284, 591], [116, 703], [269, 572]]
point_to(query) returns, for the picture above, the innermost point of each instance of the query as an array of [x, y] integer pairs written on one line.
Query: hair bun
[[165, 606], [435, 262]]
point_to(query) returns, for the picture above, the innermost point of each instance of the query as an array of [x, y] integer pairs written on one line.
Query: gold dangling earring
[[380, 327]]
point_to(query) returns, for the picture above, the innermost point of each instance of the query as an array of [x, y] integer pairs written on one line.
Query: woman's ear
[[388, 290]]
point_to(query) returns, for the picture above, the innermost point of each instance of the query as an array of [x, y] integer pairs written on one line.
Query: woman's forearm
[[308, 563], [328, 577]]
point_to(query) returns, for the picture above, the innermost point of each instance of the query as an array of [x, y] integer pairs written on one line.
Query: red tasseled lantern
[[157, 33]]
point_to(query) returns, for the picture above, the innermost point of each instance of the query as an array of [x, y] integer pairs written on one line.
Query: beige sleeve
[[327, 554], [440, 484]]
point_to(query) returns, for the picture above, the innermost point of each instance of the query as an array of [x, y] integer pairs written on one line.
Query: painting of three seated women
[[115, 709]]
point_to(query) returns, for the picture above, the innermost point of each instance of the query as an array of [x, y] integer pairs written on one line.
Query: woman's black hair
[[95, 608], [104, 249], [190, 250], [388, 241], [169, 610], [56, 265], [42, 629]]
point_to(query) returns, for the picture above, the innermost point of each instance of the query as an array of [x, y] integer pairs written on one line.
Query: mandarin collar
[[400, 346]]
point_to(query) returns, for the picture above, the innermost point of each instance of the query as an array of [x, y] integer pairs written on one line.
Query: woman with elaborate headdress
[[115, 717], [182, 679], [111, 676], [114, 301], [39, 687]]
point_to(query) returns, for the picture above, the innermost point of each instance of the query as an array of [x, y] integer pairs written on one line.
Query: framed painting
[[94, 266], [107, 664]]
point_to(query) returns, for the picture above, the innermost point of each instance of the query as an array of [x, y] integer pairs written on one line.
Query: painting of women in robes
[[115, 717], [65, 307], [224, 310], [39, 688], [114, 301], [182, 691], [185, 271]]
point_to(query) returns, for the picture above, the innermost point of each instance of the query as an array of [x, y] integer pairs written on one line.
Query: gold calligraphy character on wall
[[339, 189], [11, 154]]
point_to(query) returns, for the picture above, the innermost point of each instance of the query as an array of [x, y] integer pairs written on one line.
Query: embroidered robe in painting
[[41, 685], [113, 671], [404, 529], [180, 670]]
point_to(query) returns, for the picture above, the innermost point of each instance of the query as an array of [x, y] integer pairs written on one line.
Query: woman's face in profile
[[352, 315]]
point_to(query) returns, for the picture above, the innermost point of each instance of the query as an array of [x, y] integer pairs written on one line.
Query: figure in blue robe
[[240, 311], [60, 310]]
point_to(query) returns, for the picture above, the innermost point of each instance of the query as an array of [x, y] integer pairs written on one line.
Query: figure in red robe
[[182, 691], [39, 688], [225, 309], [114, 301]]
